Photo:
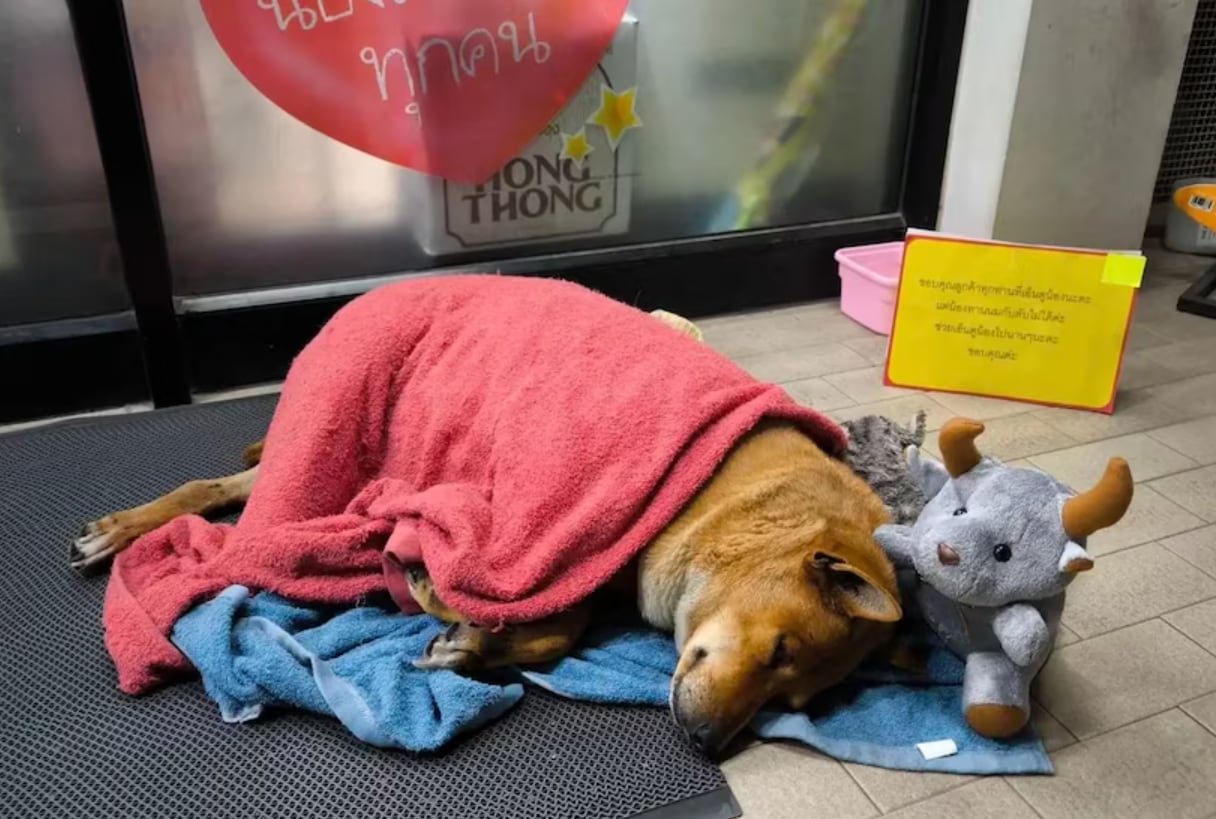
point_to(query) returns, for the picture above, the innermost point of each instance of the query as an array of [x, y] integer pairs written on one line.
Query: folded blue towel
[[356, 665]]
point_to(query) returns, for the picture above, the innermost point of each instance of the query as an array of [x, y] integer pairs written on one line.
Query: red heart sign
[[449, 87]]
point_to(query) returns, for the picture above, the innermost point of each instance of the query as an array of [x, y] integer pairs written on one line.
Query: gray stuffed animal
[[993, 551], [876, 453]]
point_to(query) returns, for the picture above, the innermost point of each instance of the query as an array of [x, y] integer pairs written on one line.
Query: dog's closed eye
[[781, 654]]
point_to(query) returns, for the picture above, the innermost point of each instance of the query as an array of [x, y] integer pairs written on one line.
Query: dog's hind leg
[[106, 537]]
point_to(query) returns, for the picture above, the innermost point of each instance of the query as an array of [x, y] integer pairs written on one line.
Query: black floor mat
[[71, 745]]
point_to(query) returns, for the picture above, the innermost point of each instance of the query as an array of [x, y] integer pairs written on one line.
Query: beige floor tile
[[1183, 326], [817, 393], [727, 321], [1196, 438], [1203, 710], [1175, 361], [1080, 467], [1164, 265], [1186, 358], [1132, 586], [1192, 397], [802, 362], [1197, 547], [1135, 411], [986, 799], [1195, 491], [893, 789], [1197, 622], [1141, 368], [1158, 308], [1106, 682], [780, 330], [1065, 636], [872, 348], [902, 409], [980, 407], [1162, 767], [779, 781], [1151, 517], [865, 386], [1016, 436], [1142, 336], [1053, 733]]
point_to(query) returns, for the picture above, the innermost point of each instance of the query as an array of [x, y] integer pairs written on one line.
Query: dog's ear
[[855, 591]]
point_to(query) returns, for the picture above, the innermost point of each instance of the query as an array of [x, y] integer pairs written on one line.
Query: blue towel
[[356, 665]]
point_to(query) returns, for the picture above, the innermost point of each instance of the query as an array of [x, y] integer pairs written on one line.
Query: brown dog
[[770, 581]]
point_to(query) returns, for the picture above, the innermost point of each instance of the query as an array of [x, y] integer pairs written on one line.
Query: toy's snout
[[946, 555]]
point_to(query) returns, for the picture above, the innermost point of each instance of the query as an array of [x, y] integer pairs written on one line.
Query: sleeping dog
[[769, 579]]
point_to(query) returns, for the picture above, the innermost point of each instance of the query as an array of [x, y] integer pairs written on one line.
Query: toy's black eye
[[1002, 552], [962, 510], [781, 653]]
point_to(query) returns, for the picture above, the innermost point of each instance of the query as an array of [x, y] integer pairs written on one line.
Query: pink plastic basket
[[869, 281]]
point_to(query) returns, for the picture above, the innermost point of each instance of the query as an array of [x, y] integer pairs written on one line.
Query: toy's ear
[[1075, 559], [929, 475], [858, 594]]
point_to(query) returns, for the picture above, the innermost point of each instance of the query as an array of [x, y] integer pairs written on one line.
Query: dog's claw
[[97, 543], [449, 650]]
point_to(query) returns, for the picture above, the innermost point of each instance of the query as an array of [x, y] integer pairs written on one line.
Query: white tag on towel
[[937, 749]]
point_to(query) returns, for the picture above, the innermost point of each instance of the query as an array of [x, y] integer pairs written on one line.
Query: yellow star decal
[[615, 114], [575, 147]]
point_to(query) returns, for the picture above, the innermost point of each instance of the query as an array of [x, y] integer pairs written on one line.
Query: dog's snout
[[946, 555], [701, 738]]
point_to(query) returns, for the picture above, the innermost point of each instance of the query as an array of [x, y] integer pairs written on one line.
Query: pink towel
[[524, 438]]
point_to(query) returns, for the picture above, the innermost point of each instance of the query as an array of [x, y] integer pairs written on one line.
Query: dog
[[769, 579]]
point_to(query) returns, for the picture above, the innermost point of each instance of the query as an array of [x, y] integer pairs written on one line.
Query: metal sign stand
[[1200, 297]]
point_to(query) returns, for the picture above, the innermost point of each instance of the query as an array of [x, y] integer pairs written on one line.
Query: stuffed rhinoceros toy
[[993, 550]]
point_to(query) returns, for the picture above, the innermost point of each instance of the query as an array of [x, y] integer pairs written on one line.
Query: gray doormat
[[71, 745]]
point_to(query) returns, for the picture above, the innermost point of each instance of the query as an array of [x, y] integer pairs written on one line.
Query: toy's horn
[[957, 443], [1101, 506]]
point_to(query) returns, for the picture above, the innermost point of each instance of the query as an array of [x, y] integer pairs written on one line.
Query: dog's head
[[781, 629]]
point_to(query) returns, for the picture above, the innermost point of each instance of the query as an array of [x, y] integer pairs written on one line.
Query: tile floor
[[1127, 705], [1128, 702]]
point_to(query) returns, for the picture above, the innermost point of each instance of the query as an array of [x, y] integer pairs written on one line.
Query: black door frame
[[211, 350]]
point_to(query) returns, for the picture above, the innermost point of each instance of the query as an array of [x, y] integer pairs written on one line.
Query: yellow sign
[[1038, 324]]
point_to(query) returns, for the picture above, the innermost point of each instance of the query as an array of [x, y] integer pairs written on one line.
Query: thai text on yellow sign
[[1031, 323]]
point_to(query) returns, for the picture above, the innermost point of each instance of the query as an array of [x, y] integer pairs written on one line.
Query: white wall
[[1069, 156], [984, 98]]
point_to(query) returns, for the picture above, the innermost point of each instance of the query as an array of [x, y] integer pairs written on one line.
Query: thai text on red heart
[[462, 59]]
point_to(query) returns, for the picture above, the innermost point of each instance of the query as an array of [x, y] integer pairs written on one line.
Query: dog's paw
[[457, 649], [100, 540]]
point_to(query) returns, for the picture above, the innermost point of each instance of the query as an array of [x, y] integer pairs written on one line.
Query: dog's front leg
[[468, 647]]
